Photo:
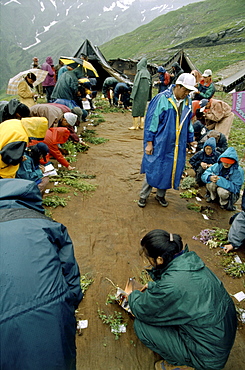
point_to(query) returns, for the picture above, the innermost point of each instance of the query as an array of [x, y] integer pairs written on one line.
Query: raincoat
[[52, 113], [109, 82], [141, 91], [186, 315], [67, 85], [40, 283], [233, 180], [53, 137], [50, 78], [236, 235], [169, 133], [219, 116], [25, 93], [201, 156]]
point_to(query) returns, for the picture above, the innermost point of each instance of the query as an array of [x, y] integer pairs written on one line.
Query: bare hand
[[204, 165], [228, 248], [214, 178], [149, 148], [70, 168]]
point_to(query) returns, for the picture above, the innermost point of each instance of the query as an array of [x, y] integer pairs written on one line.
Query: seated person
[[199, 126], [30, 168], [205, 87], [221, 141], [204, 159], [185, 314], [218, 115], [236, 235], [224, 180]]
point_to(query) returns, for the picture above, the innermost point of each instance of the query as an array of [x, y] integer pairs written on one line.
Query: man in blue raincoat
[[167, 130]]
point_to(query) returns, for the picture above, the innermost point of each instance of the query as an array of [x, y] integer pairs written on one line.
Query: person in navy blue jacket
[[40, 283]]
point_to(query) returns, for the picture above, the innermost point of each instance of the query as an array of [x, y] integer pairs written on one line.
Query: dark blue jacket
[[201, 156], [40, 283]]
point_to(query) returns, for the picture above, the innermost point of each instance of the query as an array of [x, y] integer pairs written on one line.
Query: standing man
[[141, 93], [167, 130]]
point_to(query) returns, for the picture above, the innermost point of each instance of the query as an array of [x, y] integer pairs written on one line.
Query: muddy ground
[[106, 229]]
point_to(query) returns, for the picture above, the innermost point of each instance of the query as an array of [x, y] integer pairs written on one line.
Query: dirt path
[[106, 229]]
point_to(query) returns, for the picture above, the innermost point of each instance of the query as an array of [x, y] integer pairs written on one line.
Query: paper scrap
[[56, 183], [198, 199], [82, 324], [121, 329], [240, 296], [47, 191], [237, 259], [205, 217]]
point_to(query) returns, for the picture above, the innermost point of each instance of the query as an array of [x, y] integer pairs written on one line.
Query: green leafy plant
[[85, 282], [59, 189], [194, 207], [115, 321], [54, 201], [190, 193], [188, 182]]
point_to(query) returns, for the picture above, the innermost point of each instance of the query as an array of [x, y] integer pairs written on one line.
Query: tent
[[234, 82], [129, 67], [97, 59], [183, 59]]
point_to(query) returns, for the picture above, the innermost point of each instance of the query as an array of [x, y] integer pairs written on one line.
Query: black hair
[[23, 110], [160, 243], [32, 77]]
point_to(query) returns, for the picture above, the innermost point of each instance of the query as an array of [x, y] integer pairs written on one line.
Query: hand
[[144, 288], [70, 168], [214, 178], [149, 148], [204, 165], [228, 248]]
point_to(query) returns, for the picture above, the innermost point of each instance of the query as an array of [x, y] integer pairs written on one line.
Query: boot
[[141, 126], [135, 124]]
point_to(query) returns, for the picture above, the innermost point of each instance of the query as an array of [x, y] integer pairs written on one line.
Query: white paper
[[82, 324], [240, 296], [56, 183], [47, 191], [205, 217], [121, 329], [237, 259], [198, 199]]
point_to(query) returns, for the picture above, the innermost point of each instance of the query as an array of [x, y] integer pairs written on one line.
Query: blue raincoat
[[169, 134], [40, 283], [233, 180]]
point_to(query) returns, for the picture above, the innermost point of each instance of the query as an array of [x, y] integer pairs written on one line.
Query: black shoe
[[162, 201], [142, 202]]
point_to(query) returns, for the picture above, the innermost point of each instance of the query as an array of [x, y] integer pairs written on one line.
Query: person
[[236, 235], [53, 137], [206, 88], [13, 109], [218, 115], [108, 87], [40, 283], [30, 168], [205, 158], [176, 72], [69, 120], [66, 67], [26, 92], [164, 79], [199, 127], [168, 128], [141, 93], [122, 91], [224, 180], [49, 82], [39, 87], [185, 314], [48, 110], [221, 141], [197, 106]]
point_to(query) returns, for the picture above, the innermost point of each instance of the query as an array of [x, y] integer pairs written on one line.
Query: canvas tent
[[183, 59], [129, 67], [97, 59], [234, 82]]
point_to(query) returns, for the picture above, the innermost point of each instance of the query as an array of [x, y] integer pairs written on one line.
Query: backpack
[[12, 153]]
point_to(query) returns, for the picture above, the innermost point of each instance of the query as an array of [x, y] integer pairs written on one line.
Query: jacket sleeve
[[236, 234], [196, 160], [55, 152], [70, 267], [213, 170], [208, 93], [50, 70], [234, 183], [24, 91]]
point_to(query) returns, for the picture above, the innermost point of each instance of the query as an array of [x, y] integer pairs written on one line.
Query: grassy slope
[[185, 24]]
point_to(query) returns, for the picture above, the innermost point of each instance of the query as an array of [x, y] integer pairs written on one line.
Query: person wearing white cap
[[205, 87], [69, 121], [167, 130]]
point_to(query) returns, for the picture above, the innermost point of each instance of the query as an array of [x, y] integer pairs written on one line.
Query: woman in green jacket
[[184, 314]]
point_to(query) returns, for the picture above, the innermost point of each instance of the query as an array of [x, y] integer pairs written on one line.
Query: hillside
[[213, 34]]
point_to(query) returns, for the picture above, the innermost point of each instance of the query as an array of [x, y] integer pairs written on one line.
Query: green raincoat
[[141, 91], [186, 315]]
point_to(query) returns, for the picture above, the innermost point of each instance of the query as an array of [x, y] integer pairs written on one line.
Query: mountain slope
[[212, 32]]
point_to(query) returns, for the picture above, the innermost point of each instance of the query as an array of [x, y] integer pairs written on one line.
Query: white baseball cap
[[71, 118], [187, 80], [207, 73]]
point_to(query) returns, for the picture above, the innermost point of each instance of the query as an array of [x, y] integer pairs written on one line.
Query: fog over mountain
[[58, 27]]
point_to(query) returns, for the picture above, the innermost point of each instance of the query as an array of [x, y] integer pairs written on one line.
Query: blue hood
[[230, 153], [210, 142], [19, 193]]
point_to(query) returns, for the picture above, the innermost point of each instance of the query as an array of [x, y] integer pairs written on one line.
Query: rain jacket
[[110, 82], [124, 90], [50, 78], [53, 137], [177, 72], [236, 235], [141, 91], [40, 283], [52, 113], [233, 180], [169, 133], [67, 84], [206, 90], [186, 315], [25, 93], [201, 156]]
